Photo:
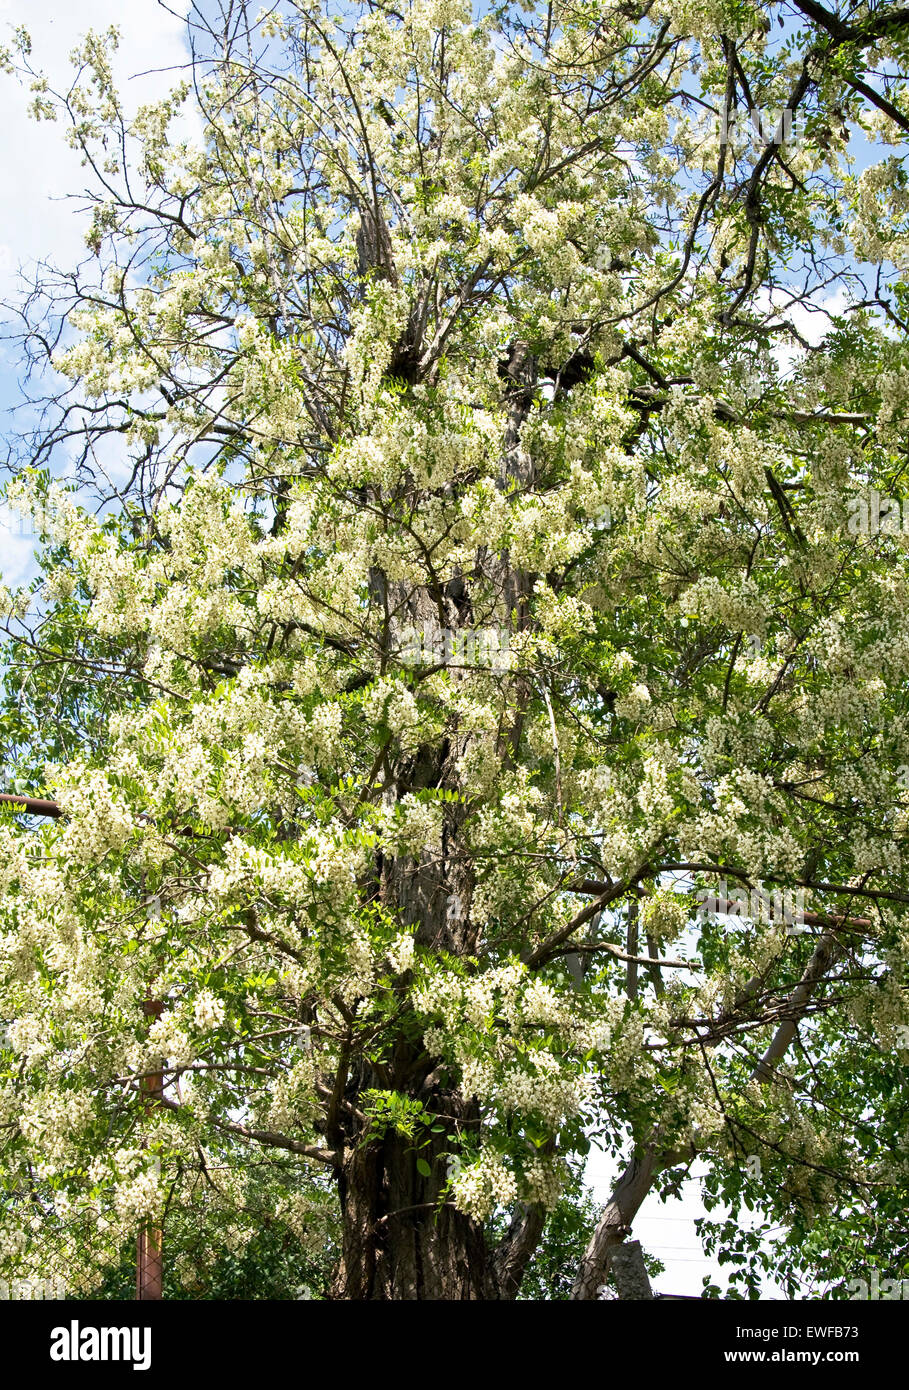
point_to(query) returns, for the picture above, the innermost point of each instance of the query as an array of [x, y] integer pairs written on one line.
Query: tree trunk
[[398, 1243], [615, 1223], [399, 1239]]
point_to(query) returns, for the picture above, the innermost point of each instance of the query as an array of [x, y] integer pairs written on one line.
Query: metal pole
[[150, 1240]]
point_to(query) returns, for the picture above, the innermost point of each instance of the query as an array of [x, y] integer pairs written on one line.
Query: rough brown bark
[[399, 1239], [398, 1242]]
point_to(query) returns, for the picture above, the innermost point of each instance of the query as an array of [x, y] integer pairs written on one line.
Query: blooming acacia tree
[[473, 578]]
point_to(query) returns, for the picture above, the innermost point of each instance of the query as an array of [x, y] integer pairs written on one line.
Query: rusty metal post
[[150, 1240]]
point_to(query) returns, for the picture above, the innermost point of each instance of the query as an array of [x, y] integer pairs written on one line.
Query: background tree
[[471, 576]]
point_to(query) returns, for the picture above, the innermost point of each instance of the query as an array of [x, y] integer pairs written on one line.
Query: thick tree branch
[[32, 805], [635, 1183]]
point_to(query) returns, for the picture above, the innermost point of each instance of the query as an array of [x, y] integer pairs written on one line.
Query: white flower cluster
[[481, 1187], [411, 826], [170, 1038], [401, 952], [294, 1100], [634, 703], [541, 1004], [139, 1197], [543, 1181], [208, 1011], [548, 1090], [391, 703], [98, 821], [739, 607], [664, 915]]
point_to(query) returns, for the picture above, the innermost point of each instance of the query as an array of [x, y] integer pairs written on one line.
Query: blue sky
[[36, 220]]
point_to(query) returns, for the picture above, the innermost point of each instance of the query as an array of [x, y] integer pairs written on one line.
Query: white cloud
[[812, 319], [37, 167], [17, 554]]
